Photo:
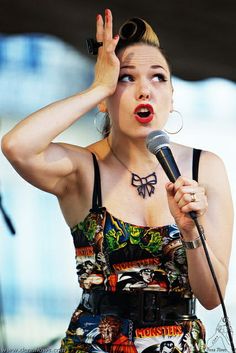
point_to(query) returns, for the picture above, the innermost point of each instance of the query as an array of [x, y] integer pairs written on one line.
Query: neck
[[133, 153]]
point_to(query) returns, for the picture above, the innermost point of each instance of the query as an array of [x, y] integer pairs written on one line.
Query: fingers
[[107, 66], [108, 24], [104, 27], [100, 30], [188, 195], [198, 203], [105, 31]]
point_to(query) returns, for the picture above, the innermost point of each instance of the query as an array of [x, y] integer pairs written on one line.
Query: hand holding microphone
[[185, 196]]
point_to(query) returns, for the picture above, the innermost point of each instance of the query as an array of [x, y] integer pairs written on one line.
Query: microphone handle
[[167, 161]]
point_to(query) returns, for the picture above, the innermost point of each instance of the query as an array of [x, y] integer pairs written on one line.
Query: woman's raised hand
[[108, 65]]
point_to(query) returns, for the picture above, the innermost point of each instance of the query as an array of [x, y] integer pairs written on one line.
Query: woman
[[139, 276]]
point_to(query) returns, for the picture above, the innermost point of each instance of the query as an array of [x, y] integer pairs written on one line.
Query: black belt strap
[[144, 308]]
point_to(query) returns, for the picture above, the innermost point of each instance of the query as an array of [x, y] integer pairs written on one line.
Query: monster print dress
[[136, 295]]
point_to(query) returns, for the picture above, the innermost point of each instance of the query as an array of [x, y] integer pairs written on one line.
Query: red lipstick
[[144, 113]]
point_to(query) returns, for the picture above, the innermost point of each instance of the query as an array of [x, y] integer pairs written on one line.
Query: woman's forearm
[[201, 279], [33, 134], [200, 276]]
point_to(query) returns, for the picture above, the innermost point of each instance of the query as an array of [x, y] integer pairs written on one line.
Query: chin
[[140, 131], [143, 132], [146, 130]]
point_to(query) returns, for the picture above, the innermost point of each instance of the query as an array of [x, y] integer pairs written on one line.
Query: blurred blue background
[[38, 281]]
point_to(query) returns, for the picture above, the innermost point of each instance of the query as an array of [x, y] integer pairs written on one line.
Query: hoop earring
[[176, 115], [104, 125]]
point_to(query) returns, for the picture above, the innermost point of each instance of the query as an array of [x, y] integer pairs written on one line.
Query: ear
[[102, 107]]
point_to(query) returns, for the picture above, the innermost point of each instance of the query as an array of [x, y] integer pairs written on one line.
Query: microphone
[[157, 143]]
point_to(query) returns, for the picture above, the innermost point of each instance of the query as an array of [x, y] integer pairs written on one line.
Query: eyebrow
[[127, 67], [133, 67]]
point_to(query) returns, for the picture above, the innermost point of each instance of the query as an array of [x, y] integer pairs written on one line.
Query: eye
[[159, 78], [126, 78]]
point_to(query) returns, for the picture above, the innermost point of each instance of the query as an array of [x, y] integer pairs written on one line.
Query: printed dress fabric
[[117, 263]]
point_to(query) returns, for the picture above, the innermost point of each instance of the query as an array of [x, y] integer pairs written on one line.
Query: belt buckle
[[149, 308], [155, 308]]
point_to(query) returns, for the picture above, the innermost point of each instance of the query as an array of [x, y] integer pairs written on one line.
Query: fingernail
[[116, 36], [98, 15], [107, 11]]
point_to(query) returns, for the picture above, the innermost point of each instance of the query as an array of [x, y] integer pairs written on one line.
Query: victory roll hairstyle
[[136, 30]]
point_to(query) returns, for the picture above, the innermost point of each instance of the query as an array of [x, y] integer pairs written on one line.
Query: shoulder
[[211, 166], [83, 154], [183, 152], [213, 175], [99, 148]]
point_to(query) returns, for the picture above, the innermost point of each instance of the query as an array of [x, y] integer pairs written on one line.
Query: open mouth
[[144, 113]]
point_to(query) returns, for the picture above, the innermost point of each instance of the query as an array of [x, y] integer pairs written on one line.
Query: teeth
[[143, 110], [144, 114]]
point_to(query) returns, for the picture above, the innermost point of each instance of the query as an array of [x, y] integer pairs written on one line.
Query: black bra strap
[[196, 157], [97, 194]]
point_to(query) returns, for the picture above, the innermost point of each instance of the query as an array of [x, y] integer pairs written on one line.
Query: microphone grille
[[156, 140]]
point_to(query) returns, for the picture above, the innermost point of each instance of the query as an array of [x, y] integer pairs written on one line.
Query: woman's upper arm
[[218, 220], [51, 169]]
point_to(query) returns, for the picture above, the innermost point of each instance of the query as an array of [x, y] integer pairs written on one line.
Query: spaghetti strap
[[195, 166], [97, 194]]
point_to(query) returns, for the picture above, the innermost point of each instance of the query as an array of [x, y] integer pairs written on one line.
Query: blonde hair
[[137, 30], [150, 36]]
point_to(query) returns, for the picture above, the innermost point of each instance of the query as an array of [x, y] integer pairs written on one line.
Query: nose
[[143, 92]]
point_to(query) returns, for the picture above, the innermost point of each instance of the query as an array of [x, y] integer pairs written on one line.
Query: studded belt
[[144, 308]]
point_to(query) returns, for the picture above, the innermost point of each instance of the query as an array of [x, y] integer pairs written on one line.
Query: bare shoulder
[[181, 152], [184, 152], [184, 158], [212, 168], [99, 148], [82, 155], [211, 157]]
